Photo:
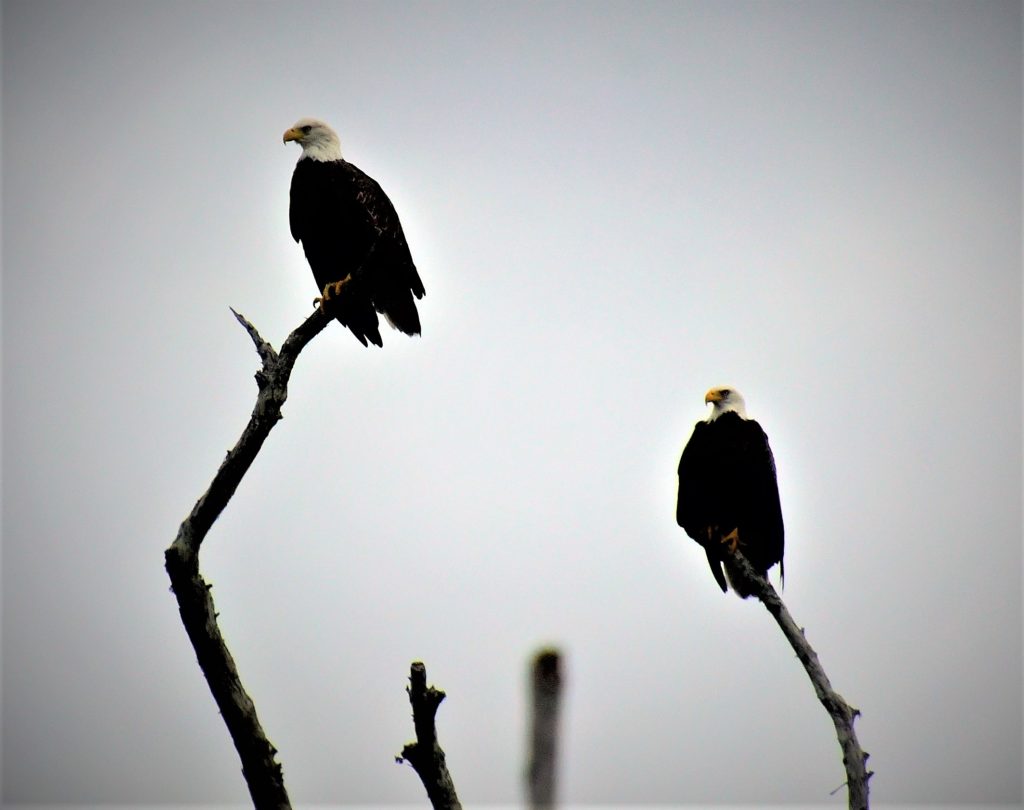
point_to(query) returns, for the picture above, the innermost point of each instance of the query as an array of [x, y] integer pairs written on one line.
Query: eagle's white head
[[318, 141], [723, 400]]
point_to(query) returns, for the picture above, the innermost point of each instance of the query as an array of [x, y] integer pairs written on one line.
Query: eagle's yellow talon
[[732, 539], [333, 289]]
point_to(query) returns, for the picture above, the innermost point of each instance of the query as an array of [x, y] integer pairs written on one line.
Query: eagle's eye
[[306, 129]]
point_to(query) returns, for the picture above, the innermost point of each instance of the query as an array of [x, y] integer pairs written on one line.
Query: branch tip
[[426, 755], [264, 349], [546, 687]]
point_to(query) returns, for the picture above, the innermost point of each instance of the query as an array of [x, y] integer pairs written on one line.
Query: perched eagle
[[728, 493], [352, 238]]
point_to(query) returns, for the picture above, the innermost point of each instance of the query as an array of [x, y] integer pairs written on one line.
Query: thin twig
[[842, 714], [195, 602], [426, 755], [546, 689]]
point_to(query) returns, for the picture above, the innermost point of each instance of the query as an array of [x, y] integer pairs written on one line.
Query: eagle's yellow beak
[[293, 134], [714, 395]]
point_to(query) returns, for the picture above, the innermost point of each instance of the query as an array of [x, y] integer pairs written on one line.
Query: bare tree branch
[[842, 714], [195, 602], [546, 688], [426, 755]]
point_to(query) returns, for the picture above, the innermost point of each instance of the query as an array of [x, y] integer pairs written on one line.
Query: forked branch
[[842, 714], [426, 755], [195, 602]]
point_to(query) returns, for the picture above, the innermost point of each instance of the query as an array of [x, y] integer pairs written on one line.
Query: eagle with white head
[[352, 238], [728, 490]]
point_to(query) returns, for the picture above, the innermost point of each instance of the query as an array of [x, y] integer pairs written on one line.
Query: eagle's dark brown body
[[348, 226], [727, 481]]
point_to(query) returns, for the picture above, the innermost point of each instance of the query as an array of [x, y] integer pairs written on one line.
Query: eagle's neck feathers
[[736, 406], [322, 150]]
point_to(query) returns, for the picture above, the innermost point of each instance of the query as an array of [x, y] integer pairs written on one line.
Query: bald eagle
[[728, 492], [352, 238]]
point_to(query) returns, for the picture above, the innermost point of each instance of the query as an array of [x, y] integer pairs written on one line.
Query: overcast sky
[[613, 207]]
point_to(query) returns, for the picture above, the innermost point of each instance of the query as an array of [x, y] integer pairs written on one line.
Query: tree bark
[[262, 773], [426, 755], [842, 714]]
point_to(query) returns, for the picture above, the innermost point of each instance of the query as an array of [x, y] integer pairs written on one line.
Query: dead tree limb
[[195, 602], [842, 714], [426, 755], [546, 690]]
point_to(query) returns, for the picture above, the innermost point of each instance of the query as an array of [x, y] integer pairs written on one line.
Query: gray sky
[[613, 208]]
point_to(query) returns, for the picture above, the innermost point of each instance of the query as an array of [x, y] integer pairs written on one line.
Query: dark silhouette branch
[[842, 714], [426, 755], [195, 602], [546, 690]]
